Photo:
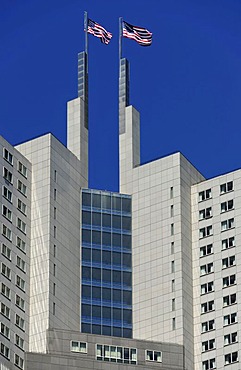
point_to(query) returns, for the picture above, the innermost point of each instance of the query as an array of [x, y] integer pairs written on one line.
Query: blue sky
[[187, 85]]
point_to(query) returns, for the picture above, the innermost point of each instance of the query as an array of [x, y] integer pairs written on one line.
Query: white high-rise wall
[[162, 240], [55, 238], [15, 233], [216, 215]]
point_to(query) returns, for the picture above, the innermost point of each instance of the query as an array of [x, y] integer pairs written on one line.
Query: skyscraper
[[146, 277]]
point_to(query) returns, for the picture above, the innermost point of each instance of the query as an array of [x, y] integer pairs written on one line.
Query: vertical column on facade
[[129, 126], [77, 117]]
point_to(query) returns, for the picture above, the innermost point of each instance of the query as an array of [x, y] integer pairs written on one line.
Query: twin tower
[[145, 277]]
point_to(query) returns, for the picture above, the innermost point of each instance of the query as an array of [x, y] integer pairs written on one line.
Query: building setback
[[146, 278]]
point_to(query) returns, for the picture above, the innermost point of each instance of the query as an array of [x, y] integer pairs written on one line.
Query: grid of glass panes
[[106, 264], [116, 354]]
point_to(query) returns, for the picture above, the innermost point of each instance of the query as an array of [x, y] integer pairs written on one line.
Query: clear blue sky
[[187, 85]]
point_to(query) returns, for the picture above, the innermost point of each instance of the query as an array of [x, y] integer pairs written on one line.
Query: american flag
[[139, 34], [97, 30]]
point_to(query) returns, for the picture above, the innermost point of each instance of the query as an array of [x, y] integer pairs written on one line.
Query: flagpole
[[120, 37], [86, 35]]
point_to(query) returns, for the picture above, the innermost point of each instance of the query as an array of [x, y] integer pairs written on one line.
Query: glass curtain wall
[[106, 278]]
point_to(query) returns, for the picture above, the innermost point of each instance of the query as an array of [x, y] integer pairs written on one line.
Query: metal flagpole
[[120, 37], [86, 35]]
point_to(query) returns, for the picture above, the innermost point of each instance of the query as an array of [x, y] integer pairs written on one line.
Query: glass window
[[116, 258], [106, 311], [96, 256], [106, 257], [86, 236], [96, 237], [117, 295], [96, 292], [96, 329], [106, 201], [86, 199], [106, 238], [127, 316], [126, 259], [116, 240], [96, 274], [96, 200], [86, 291], [86, 328], [117, 313], [86, 272], [127, 297], [106, 275], [86, 310], [116, 203], [116, 222], [106, 220], [116, 277], [127, 278], [126, 205], [96, 219], [126, 223], [86, 217], [126, 241], [96, 311], [106, 294], [86, 254]]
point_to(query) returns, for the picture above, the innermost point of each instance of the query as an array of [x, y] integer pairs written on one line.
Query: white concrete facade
[[161, 240], [216, 215], [55, 238], [15, 234]]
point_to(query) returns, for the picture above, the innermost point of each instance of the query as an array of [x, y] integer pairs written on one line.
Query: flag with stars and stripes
[[139, 34], [97, 30]]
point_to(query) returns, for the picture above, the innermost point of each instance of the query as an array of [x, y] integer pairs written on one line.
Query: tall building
[[142, 278]]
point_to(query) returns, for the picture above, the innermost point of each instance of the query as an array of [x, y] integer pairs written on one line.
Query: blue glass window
[[106, 264]]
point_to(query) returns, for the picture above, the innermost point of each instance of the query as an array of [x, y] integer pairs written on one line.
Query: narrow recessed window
[[7, 213], [55, 211], [22, 169], [173, 304], [21, 225], [173, 285], [54, 288], [7, 175], [22, 207], [19, 361], [54, 270], [173, 266], [172, 247], [7, 155], [5, 290], [21, 244], [172, 229], [171, 192], [6, 271], [173, 323], [55, 175], [53, 308], [172, 211], [54, 231], [22, 187], [54, 250], [7, 194], [55, 194], [7, 232], [5, 310]]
